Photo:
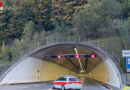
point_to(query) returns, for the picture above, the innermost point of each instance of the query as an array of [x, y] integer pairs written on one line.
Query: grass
[[4, 63]]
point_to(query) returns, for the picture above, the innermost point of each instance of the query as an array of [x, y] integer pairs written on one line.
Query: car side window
[[62, 79], [74, 79], [59, 79]]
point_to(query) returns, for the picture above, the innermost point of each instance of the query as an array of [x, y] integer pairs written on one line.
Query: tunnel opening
[[39, 65]]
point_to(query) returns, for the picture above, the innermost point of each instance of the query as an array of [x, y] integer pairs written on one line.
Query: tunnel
[[40, 65]]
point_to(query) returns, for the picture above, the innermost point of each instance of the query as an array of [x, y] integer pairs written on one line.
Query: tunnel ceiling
[[70, 63]]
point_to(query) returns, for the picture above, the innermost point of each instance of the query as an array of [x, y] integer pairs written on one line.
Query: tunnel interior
[[40, 66], [70, 63]]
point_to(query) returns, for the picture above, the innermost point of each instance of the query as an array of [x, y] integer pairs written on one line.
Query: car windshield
[[74, 79], [61, 79]]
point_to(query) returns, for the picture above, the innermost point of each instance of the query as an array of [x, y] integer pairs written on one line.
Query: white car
[[67, 82]]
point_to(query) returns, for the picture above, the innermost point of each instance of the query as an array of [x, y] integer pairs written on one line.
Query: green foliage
[[3, 28], [7, 3], [28, 31], [128, 27], [26, 37], [27, 22], [21, 14], [126, 8], [45, 13], [42, 15], [97, 16], [3, 49], [128, 23], [10, 56], [63, 10]]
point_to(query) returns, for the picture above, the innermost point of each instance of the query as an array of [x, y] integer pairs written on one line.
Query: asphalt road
[[89, 85], [45, 86]]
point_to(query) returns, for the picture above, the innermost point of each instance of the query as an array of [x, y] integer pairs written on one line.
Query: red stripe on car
[[60, 83], [72, 82], [64, 83]]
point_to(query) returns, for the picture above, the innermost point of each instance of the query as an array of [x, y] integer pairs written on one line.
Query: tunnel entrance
[[39, 65]]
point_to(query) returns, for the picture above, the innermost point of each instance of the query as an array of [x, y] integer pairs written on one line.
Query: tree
[[63, 10], [126, 8], [42, 18], [10, 56], [26, 37], [128, 23], [21, 14], [4, 21], [128, 29], [3, 27], [28, 31], [97, 15], [3, 48]]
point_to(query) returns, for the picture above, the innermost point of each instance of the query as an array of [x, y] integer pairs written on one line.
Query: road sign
[[128, 64], [126, 53]]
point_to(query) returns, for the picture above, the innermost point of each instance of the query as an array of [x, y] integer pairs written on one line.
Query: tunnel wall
[[34, 70], [113, 74], [100, 73], [106, 74]]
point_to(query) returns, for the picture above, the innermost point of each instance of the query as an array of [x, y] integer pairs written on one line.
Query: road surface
[[89, 85]]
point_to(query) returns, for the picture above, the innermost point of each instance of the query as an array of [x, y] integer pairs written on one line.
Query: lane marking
[[50, 89], [102, 86], [25, 87]]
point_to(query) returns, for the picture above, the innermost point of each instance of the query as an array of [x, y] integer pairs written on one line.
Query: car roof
[[68, 76]]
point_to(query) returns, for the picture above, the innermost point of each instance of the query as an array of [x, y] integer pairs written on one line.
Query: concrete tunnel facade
[[38, 66]]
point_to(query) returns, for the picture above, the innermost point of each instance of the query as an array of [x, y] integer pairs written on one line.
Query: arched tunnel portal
[[38, 65]]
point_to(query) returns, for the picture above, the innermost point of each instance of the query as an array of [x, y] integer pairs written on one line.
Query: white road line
[[24, 87], [102, 86], [50, 89]]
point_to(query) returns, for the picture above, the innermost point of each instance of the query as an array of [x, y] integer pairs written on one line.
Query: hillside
[[28, 24]]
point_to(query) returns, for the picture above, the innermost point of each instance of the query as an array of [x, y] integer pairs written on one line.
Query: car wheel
[[62, 87], [54, 87]]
